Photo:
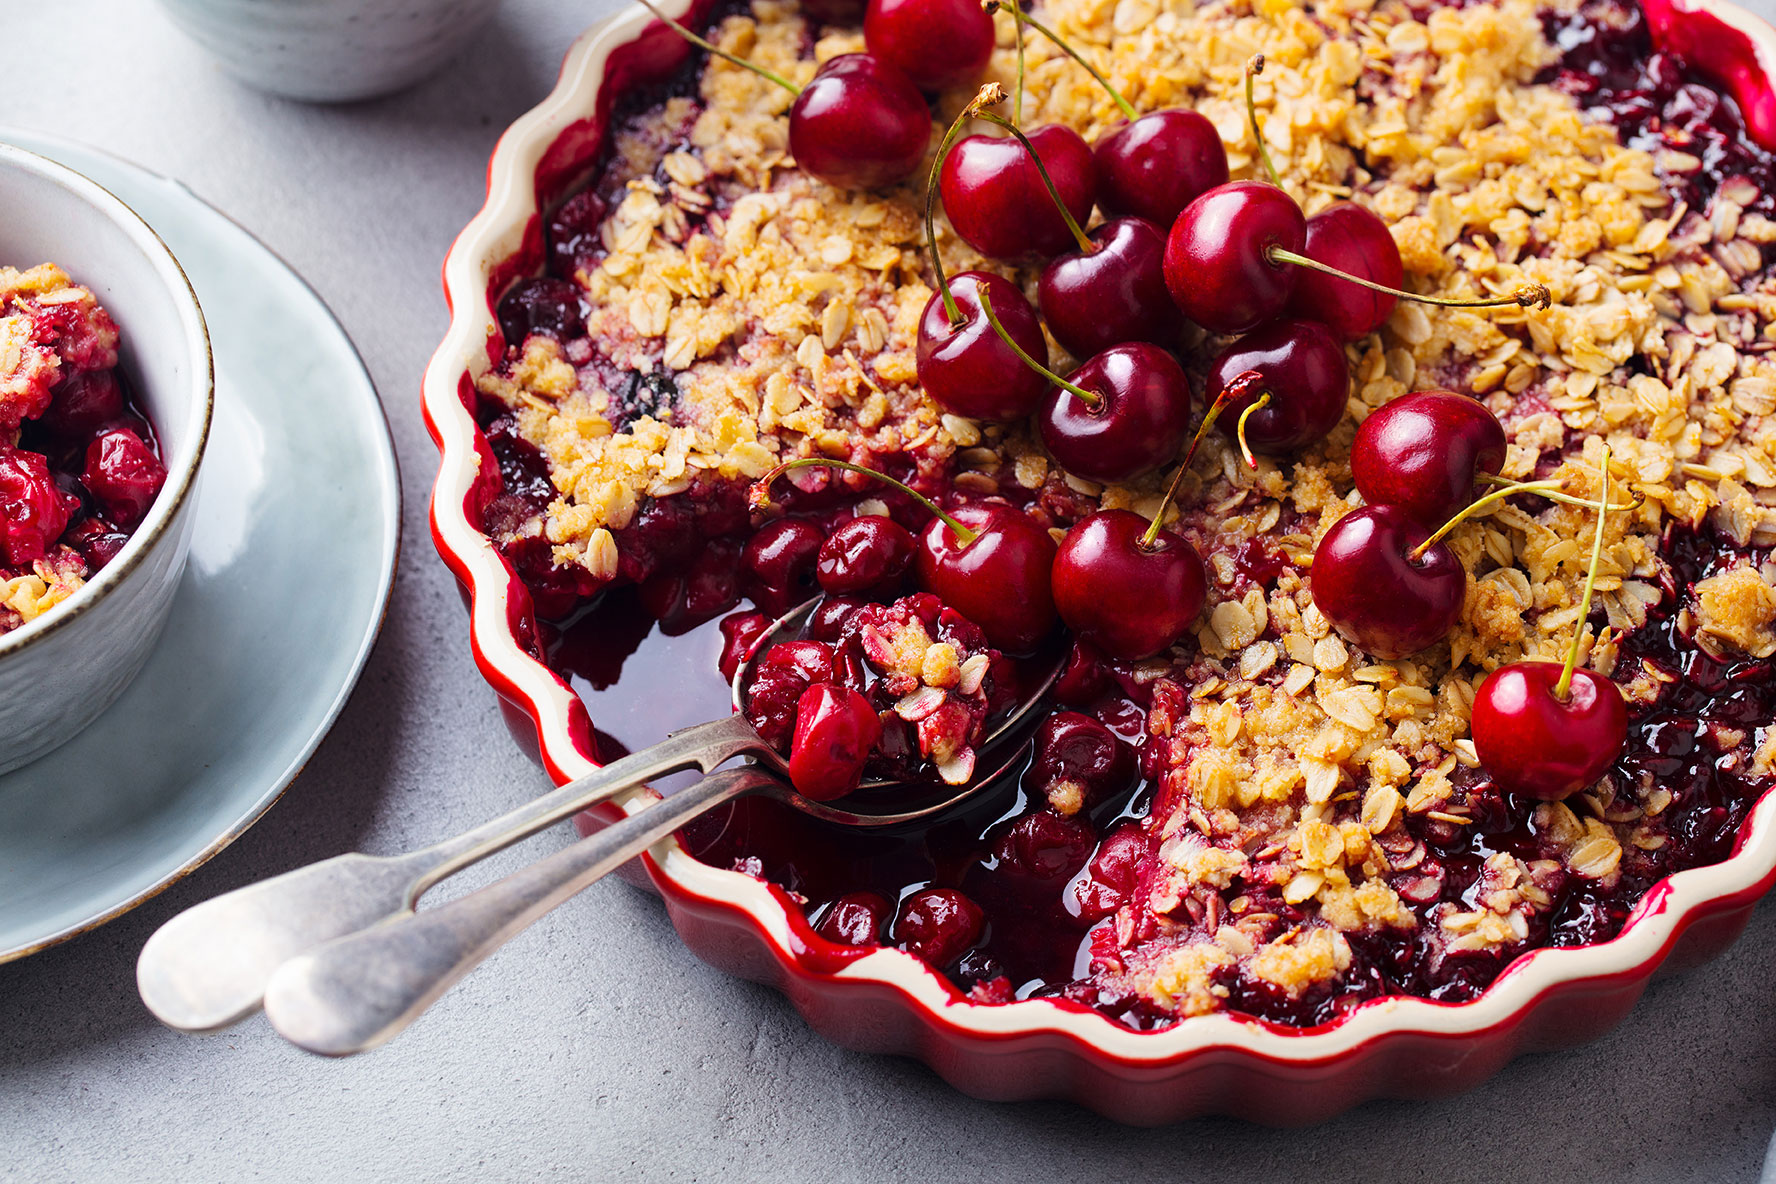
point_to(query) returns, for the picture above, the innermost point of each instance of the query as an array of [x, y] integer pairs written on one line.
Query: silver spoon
[[208, 967], [355, 993]]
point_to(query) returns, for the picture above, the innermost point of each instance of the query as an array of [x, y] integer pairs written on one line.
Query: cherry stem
[[1017, 107], [1531, 295], [1481, 503], [1259, 404], [1202, 429], [1554, 496], [989, 94], [760, 496], [1563, 688], [1255, 67], [706, 46], [1023, 18], [1086, 246], [1091, 399]]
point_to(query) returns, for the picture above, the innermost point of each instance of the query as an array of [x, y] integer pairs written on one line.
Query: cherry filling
[[1661, 105]]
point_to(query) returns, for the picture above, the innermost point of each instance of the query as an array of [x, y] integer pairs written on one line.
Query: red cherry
[[1075, 749], [1139, 422], [124, 474], [740, 632], [1369, 586], [1042, 851], [827, 621], [97, 541], [855, 919], [864, 554], [1353, 239], [779, 562], [707, 589], [1158, 164], [83, 402], [1000, 581], [1423, 452], [783, 672], [859, 124], [1535, 743], [835, 731], [33, 509], [996, 200], [968, 369], [938, 925], [938, 44], [1130, 599], [1216, 261], [1301, 365], [1116, 293]]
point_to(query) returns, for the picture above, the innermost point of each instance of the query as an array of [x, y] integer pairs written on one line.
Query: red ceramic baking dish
[[884, 1000]]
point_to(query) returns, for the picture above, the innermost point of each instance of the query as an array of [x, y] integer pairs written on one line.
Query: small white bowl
[[58, 672], [331, 51]]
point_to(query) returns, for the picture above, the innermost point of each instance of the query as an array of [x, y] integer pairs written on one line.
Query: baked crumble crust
[[1289, 762]]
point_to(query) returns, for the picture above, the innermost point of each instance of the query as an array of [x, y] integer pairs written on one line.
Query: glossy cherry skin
[[33, 509], [1000, 581], [835, 731], [939, 44], [969, 370], [1154, 167], [1533, 743], [1422, 453], [1071, 747], [1215, 261], [1130, 600], [1368, 585], [779, 562], [1351, 238], [864, 554], [123, 474], [1141, 418], [938, 925], [856, 919], [740, 633], [859, 124], [997, 202], [1115, 294], [1302, 366]]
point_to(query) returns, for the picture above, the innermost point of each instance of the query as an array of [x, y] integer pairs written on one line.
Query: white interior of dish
[[55, 215], [493, 236]]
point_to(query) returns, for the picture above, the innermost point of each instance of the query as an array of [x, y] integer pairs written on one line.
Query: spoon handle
[[207, 967], [356, 992]]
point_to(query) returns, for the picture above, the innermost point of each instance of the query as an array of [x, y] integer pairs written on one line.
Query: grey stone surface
[[595, 1046]]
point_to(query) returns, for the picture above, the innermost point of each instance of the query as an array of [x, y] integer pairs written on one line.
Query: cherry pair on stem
[[1382, 574], [1236, 257]]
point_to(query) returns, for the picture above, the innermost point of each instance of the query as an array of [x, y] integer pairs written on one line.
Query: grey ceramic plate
[[292, 557]]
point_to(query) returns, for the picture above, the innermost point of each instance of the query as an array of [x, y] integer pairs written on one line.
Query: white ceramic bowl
[[59, 672], [331, 51]]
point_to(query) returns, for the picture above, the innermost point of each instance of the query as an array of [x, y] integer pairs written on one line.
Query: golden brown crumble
[[789, 320]]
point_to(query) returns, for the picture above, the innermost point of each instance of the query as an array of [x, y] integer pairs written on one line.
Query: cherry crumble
[[1278, 811], [79, 464]]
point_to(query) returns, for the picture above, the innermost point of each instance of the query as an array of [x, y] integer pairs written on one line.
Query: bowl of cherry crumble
[[1366, 406], [105, 390]]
